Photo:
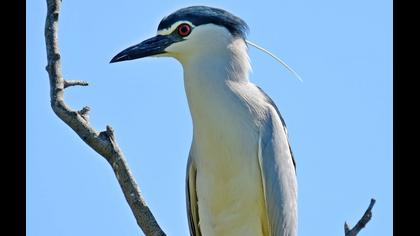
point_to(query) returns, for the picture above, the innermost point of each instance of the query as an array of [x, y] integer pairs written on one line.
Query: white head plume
[[276, 58]]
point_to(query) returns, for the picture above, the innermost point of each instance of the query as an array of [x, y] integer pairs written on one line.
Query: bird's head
[[190, 31]]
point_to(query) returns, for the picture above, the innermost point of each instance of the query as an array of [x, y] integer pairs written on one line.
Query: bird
[[241, 173]]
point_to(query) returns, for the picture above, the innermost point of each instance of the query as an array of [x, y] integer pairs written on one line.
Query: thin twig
[[104, 142], [85, 113], [69, 83], [362, 222]]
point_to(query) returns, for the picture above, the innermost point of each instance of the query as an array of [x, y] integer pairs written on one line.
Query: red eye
[[184, 29]]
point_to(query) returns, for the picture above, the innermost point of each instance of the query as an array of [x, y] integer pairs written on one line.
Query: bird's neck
[[218, 63], [207, 79]]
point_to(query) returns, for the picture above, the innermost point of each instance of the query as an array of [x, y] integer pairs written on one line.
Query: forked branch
[[103, 142]]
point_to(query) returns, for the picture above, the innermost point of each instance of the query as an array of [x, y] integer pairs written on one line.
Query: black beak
[[149, 47]]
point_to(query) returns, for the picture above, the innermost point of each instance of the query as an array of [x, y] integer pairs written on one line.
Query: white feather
[[277, 59]]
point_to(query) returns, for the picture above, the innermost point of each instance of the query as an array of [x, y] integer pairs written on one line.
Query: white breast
[[229, 187]]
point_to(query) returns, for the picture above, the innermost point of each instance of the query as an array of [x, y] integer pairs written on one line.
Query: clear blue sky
[[339, 118]]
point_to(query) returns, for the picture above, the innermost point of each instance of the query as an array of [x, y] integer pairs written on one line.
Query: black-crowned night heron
[[241, 177]]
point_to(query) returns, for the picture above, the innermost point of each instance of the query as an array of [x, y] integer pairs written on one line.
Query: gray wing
[[271, 102], [278, 176], [192, 207]]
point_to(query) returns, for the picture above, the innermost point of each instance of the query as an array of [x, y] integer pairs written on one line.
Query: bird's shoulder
[[276, 113]]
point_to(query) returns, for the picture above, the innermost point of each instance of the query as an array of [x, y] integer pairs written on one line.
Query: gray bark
[[103, 142], [362, 222]]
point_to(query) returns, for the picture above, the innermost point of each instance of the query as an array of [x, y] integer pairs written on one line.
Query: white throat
[[226, 60], [207, 76]]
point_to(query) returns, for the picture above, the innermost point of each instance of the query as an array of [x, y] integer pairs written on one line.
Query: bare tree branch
[[362, 222], [103, 142], [68, 83]]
